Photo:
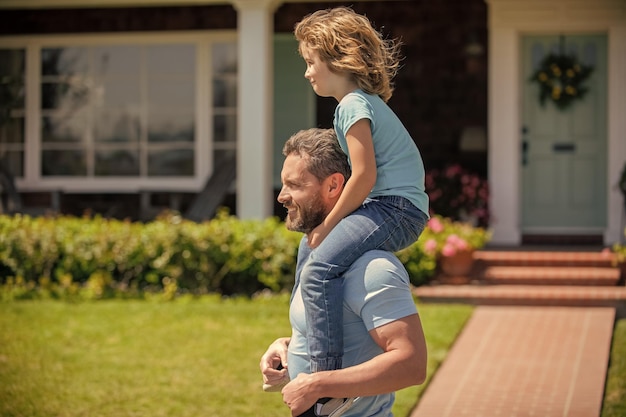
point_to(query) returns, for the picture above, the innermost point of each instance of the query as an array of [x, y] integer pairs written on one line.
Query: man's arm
[[402, 364]]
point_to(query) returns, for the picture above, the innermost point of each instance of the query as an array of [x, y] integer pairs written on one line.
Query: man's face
[[301, 195]]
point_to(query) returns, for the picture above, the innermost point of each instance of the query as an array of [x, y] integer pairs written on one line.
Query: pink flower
[[461, 244], [448, 250], [435, 225], [434, 196], [430, 246], [452, 239], [453, 170], [456, 193], [457, 242]]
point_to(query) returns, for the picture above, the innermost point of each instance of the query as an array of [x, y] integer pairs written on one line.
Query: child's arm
[[362, 180]]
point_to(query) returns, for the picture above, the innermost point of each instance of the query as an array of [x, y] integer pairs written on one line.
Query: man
[[384, 345]]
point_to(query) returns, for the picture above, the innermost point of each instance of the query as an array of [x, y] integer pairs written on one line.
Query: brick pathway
[[524, 362]]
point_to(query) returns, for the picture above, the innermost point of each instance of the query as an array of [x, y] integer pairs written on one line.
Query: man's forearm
[[402, 364], [386, 373]]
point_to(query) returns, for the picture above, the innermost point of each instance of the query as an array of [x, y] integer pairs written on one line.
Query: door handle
[[525, 147]]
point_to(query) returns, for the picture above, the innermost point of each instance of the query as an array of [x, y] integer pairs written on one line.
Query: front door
[[563, 159]]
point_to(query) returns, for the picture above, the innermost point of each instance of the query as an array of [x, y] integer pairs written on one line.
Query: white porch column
[[616, 130], [504, 128], [255, 103]]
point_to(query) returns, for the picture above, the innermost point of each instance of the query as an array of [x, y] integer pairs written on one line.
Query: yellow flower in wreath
[[561, 80]]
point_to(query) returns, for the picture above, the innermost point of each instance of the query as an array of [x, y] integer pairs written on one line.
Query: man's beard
[[307, 217]]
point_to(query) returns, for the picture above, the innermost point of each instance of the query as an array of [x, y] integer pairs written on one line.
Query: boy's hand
[[317, 235]]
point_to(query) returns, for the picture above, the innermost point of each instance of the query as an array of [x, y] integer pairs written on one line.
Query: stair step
[[550, 275], [544, 258], [524, 295], [533, 278]]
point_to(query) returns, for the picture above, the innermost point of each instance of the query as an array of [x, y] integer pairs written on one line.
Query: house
[[116, 105]]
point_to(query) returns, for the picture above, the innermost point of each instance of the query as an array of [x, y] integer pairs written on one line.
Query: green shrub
[[93, 257], [619, 259], [28, 247], [620, 252], [420, 265]]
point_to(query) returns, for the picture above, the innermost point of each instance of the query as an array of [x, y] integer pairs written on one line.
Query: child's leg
[[376, 225]]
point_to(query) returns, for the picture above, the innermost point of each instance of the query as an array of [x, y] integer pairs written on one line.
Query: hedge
[[94, 257]]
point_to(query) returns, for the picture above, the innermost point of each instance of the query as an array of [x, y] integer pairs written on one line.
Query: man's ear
[[335, 183]]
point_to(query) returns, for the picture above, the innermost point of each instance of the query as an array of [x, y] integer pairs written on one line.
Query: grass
[[615, 390], [142, 358]]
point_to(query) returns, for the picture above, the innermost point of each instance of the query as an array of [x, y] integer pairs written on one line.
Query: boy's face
[[325, 83]]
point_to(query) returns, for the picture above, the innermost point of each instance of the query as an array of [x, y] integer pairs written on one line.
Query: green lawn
[[143, 358], [615, 392]]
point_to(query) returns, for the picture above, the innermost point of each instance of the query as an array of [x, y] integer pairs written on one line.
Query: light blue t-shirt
[[399, 165], [376, 292]]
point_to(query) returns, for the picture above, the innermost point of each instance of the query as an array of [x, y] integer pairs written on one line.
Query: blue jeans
[[389, 223]]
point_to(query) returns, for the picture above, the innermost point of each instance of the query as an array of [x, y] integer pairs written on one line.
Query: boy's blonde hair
[[347, 42]]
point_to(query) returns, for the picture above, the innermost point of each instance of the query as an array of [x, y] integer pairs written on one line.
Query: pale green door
[[294, 99], [563, 159]]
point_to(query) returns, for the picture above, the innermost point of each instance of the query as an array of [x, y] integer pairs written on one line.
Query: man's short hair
[[321, 151]]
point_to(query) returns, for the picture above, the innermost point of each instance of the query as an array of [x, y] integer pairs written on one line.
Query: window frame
[[203, 142]]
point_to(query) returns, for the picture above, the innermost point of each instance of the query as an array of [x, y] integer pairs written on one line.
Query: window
[[118, 110], [106, 108], [224, 59], [12, 74]]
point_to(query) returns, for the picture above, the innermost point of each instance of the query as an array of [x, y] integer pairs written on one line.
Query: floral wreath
[[560, 79]]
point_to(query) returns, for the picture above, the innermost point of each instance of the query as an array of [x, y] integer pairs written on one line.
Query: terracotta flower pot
[[459, 264]]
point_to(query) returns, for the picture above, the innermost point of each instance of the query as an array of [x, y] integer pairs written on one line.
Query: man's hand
[[299, 394], [274, 361]]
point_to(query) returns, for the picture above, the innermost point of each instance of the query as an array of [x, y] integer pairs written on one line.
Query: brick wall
[[132, 19], [439, 90]]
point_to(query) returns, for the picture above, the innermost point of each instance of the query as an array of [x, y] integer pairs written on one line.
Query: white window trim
[[203, 140]]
